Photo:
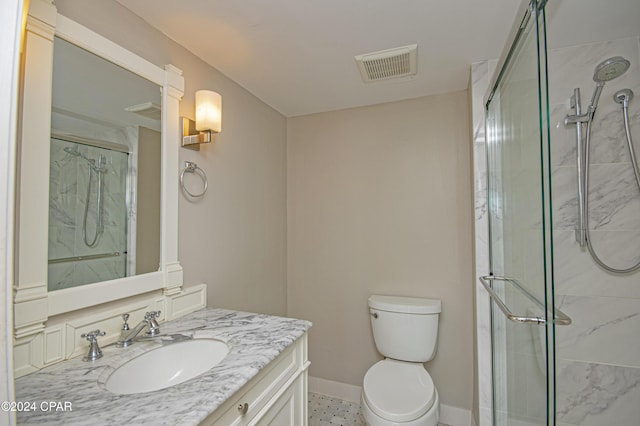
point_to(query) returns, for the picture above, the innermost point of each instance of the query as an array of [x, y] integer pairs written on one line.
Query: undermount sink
[[166, 366]]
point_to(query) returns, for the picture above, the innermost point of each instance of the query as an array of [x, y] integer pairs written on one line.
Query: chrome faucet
[[127, 335]]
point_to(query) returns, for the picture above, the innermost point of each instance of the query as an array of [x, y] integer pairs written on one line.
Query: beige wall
[[148, 203], [379, 201], [234, 238]]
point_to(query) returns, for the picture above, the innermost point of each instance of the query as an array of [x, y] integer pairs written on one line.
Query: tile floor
[[328, 411]]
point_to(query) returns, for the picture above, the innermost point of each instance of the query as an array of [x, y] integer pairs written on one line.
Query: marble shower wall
[[598, 356], [480, 74]]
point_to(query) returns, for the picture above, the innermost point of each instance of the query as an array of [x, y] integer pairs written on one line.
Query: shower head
[[605, 71], [610, 69]]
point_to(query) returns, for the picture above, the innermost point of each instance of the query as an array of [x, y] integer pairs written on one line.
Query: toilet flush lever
[[374, 314]]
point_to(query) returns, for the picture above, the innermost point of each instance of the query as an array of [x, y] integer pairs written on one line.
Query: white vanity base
[[276, 396]]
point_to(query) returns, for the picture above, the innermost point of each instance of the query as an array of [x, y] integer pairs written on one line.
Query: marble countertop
[[254, 340]]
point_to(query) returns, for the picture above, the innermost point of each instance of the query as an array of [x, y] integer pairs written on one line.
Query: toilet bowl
[[398, 390], [399, 393]]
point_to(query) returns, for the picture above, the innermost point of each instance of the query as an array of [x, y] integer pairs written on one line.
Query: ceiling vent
[[147, 109], [390, 63]]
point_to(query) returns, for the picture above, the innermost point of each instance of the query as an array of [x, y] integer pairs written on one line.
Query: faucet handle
[[92, 336], [154, 328], [125, 318], [152, 315], [94, 350]]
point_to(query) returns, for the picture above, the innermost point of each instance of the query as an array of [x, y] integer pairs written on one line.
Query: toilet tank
[[405, 328]]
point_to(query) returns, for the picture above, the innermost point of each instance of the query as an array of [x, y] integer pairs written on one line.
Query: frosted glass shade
[[208, 111]]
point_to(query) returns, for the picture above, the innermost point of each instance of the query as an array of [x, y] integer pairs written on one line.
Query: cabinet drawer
[[259, 390]]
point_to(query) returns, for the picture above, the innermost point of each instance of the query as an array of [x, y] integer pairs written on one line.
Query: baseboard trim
[[333, 389], [455, 416], [450, 415]]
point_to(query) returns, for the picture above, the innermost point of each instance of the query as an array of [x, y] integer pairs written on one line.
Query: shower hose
[[99, 208], [636, 172]]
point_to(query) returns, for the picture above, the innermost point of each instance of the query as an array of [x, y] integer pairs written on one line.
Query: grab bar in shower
[[560, 318], [87, 257]]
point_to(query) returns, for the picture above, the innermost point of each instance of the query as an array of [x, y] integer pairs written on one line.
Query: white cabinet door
[[289, 408]]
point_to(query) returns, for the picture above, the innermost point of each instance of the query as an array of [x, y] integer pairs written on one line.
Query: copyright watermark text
[[43, 406]]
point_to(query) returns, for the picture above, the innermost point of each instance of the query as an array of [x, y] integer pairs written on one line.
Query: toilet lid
[[398, 391]]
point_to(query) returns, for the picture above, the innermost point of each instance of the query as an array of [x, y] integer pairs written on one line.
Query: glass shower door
[[520, 283]]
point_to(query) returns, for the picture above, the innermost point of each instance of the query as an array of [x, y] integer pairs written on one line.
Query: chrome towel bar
[[560, 318], [86, 257]]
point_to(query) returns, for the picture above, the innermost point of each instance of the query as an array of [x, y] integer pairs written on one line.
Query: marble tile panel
[[485, 416], [91, 271], [598, 325], [480, 179], [577, 274], [614, 198], [480, 74], [589, 394], [61, 241], [516, 390], [62, 185], [608, 143], [573, 67], [60, 275], [479, 84], [536, 389], [562, 137], [618, 249], [483, 330]]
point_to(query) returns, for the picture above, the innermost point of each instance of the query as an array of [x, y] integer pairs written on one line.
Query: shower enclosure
[[558, 218], [88, 205]]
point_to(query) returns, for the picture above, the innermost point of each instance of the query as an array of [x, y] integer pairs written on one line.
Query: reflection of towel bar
[[86, 257], [560, 318], [191, 167]]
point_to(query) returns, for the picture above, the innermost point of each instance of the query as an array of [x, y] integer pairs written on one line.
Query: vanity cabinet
[[276, 396]]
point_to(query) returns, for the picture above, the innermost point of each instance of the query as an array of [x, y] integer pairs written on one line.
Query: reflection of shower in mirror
[[88, 213], [99, 170]]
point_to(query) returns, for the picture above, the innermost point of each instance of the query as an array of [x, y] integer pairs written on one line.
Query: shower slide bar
[[560, 318], [87, 257]]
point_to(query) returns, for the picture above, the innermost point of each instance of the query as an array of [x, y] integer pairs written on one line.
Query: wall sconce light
[[208, 120]]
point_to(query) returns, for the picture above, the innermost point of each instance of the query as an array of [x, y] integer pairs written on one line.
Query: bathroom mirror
[[104, 176], [75, 129]]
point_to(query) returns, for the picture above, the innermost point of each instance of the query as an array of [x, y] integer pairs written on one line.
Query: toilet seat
[[398, 391]]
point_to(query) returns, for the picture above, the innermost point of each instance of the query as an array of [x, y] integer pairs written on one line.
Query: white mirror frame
[[33, 304]]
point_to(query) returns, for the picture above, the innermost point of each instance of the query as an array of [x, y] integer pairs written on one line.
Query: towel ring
[[191, 167]]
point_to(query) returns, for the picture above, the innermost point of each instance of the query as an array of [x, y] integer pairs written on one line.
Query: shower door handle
[[560, 318]]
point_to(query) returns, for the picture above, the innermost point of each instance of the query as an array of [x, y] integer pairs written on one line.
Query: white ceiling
[[298, 55]]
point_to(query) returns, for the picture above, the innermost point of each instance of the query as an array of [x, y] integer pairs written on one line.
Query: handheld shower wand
[[604, 72]]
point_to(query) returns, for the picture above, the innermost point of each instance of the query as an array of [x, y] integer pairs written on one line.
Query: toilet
[[398, 390]]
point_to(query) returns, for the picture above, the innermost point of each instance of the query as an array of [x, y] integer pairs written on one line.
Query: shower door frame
[[528, 11]]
